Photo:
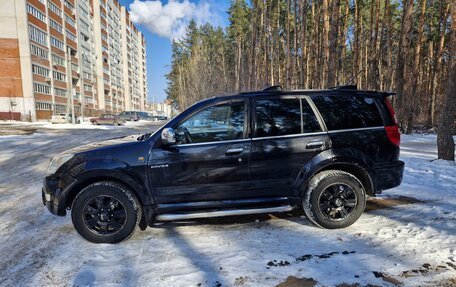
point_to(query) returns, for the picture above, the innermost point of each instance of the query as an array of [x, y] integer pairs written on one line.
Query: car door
[[287, 135], [104, 119], [209, 161]]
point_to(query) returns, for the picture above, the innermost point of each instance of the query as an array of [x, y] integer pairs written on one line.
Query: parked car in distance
[[129, 116], [161, 118], [145, 116], [269, 151], [107, 119], [64, 119]]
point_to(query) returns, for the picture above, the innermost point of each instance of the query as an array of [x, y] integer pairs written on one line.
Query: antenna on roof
[[272, 89]]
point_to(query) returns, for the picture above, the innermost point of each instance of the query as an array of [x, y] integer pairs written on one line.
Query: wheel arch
[[326, 161], [359, 172]]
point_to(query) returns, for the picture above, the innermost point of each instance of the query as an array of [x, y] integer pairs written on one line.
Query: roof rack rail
[[345, 87], [272, 89]]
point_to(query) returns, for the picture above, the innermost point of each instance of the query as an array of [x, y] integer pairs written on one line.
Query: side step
[[219, 213]]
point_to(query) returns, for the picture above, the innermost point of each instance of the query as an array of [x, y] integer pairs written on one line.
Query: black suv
[[269, 151]]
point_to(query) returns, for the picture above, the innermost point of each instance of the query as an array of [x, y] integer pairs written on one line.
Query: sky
[[163, 21]]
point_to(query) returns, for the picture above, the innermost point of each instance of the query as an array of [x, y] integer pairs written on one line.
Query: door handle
[[234, 151], [315, 144]]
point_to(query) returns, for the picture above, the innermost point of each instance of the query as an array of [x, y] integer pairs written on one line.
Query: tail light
[[393, 131], [393, 134]]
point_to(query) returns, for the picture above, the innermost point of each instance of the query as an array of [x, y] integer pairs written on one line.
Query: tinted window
[[348, 112], [217, 123], [277, 117], [310, 122]]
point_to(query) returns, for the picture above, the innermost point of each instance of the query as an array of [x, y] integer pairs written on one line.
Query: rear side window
[[276, 117], [348, 112]]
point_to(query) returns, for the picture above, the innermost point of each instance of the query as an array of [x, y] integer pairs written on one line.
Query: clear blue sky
[[159, 46]]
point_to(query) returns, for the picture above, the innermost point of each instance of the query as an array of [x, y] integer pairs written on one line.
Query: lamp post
[[70, 85]]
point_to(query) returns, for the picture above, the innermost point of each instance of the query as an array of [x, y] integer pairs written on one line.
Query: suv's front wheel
[[105, 212], [334, 199]]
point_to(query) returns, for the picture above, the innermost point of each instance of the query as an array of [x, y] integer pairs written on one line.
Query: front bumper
[[388, 175], [54, 194]]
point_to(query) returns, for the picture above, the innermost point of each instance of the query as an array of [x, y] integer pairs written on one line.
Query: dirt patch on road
[[292, 281], [389, 202], [13, 130]]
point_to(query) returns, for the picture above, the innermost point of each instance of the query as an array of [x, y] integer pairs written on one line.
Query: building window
[[60, 109], [70, 20], [35, 12], [42, 89], [60, 92], [85, 63], [57, 43], [54, 8], [83, 11], [75, 67], [42, 71], [38, 35], [58, 76], [58, 60], [88, 100], [87, 88], [84, 24], [55, 25], [43, 106], [87, 76], [37, 51], [71, 36], [68, 5]]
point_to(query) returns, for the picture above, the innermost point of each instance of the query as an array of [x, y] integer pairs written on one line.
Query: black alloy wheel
[[104, 215], [337, 201]]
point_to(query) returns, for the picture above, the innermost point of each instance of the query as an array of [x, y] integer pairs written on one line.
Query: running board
[[179, 216]]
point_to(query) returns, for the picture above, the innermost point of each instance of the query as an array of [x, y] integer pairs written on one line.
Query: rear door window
[[276, 117], [348, 111]]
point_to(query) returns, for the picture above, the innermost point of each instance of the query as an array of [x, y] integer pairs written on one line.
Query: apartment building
[[83, 57]]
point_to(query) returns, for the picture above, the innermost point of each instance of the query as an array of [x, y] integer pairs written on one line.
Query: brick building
[[53, 52]]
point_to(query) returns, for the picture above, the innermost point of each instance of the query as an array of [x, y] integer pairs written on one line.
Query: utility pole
[[70, 85]]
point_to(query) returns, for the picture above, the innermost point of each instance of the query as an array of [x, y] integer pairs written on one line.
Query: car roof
[[277, 91]]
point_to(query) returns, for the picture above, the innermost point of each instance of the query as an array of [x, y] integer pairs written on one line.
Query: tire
[[132, 119], [105, 212], [334, 199]]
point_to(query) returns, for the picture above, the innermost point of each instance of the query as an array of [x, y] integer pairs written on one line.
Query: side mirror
[[168, 136]]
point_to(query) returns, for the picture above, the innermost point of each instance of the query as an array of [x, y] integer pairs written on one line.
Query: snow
[[413, 243]]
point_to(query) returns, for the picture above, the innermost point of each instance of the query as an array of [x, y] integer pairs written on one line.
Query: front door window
[[217, 123]]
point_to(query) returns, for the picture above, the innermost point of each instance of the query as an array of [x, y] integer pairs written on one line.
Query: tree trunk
[[402, 60], [445, 141], [332, 44], [438, 61], [325, 11]]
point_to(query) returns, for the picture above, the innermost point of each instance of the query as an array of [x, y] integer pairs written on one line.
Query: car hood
[[104, 144]]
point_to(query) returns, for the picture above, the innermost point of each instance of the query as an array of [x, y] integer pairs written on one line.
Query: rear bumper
[[386, 176]]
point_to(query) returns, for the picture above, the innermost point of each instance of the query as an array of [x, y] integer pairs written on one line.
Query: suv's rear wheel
[[334, 199], [105, 212]]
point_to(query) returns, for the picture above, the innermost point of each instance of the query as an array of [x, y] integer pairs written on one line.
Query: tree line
[[405, 46]]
